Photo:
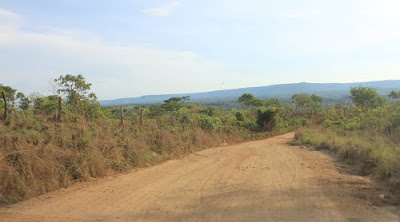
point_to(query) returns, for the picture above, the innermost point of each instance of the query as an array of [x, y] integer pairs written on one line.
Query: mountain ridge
[[281, 91]]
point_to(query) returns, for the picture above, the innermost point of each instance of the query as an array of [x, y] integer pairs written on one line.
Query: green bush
[[370, 137], [209, 123]]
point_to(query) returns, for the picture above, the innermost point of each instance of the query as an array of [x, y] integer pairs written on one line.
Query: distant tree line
[[73, 97]]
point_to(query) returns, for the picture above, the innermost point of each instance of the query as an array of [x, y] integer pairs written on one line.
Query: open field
[[265, 180]]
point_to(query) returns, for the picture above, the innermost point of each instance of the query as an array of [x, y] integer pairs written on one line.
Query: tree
[[273, 102], [246, 99], [184, 117], [76, 90], [317, 100], [24, 102], [155, 112], [9, 95], [249, 100], [301, 100], [395, 95], [240, 116], [209, 123], [305, 101], [366, 97], [174, 103], [185, 99], [209, 111], [269, 118], [45, 104], [3, 95], [33, 97]]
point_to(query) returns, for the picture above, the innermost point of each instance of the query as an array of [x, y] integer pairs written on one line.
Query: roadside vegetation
[[49, 142], [367, 133]]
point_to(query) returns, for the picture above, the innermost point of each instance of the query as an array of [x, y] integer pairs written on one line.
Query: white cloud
[[29, 59], [9, 15], [131, 70], [282, 41], [164, 10], [8, 19], [385, 11]]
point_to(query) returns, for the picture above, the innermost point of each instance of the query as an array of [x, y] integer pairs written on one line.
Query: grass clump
[[370, 138]]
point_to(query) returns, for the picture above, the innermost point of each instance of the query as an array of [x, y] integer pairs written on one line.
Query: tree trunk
[[121, 113], [158, 121], [141, 117], [59, 108], [86, 110], [56, 116], [5, 105]]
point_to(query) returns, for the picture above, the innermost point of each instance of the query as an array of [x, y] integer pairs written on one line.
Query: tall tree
[[246, 99], [24, 102], [249, 100], [9, 94], [174, 103], [305, 101], [76, 90], [366, 97], [395, 95]]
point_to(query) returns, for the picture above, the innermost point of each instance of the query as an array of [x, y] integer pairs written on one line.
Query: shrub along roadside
[[376, 154], [368, 133]]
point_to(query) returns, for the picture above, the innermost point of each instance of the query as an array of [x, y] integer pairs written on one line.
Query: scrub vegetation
[[367, 133], [49, 142]]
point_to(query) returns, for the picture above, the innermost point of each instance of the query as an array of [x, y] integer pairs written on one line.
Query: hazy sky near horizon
[[137, 47]]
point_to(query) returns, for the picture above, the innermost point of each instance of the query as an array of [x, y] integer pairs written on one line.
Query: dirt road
[[257, 181]]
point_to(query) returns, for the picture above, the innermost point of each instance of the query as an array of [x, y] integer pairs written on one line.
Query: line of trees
[[73, 98]]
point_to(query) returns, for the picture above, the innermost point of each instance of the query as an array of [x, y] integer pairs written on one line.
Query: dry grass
[[377, 153], [36, 156]]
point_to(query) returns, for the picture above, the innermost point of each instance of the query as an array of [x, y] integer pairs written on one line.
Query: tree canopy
[[305, 101], [395, 95], [9, 93], [366, 97], [76, 90], [247, 99], [174, 103]]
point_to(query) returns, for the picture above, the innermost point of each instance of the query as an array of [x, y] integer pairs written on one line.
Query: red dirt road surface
[[265, 180]]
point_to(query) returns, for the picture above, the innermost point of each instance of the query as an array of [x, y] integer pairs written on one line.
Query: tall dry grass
[[376, 153], [36, 156]]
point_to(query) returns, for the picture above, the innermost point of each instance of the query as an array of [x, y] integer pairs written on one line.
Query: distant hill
[[330, 91]]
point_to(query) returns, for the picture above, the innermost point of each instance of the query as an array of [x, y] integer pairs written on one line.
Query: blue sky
[[137, 47]]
